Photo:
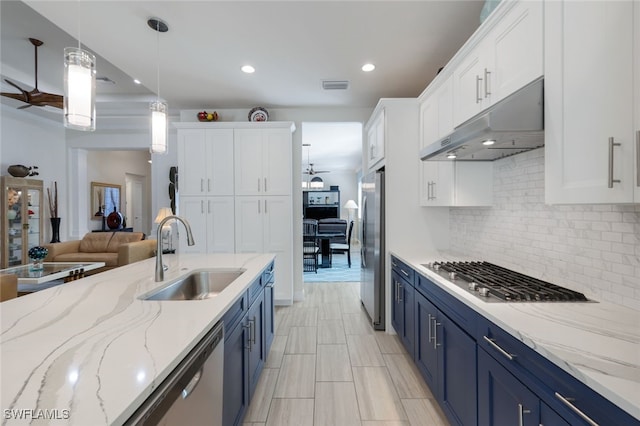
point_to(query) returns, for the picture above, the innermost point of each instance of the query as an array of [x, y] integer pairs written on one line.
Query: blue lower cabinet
[[548, 417], [236, 375], [257, 355], [446, 358], [402, 316], [269, 316], [503, 399]]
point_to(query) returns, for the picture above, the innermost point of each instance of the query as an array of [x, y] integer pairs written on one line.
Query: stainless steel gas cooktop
[[494, 283]]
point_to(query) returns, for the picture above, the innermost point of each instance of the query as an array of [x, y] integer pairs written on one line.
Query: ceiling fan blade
[[16, 96], [43, 98], [24, 92]]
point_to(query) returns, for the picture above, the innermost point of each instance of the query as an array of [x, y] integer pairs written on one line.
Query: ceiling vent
[[335, 84]]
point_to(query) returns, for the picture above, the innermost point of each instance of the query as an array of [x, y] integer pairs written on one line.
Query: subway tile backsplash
[[594, 249]]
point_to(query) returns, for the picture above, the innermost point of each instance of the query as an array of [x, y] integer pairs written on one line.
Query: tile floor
[[327, 366]]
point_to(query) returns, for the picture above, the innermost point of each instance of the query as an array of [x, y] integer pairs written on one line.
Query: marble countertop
[[90, 352], [597, 343]]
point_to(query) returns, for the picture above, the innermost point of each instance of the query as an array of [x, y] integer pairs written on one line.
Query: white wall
[[347, 181], [594, 249]]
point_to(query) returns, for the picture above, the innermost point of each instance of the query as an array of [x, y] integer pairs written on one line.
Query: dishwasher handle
[[192, 384]]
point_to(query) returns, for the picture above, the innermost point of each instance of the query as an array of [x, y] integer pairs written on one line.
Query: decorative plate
[[258, 114]]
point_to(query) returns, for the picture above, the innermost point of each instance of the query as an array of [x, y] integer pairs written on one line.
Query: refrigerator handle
[[364, 232]]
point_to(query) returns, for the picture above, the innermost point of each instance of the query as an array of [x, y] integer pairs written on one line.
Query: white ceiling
[[293, 45]]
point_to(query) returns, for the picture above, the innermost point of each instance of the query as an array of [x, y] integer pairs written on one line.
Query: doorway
[[134, 200]]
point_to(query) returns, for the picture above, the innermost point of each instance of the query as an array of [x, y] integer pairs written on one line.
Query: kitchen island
[[90, 351], [596, 343]]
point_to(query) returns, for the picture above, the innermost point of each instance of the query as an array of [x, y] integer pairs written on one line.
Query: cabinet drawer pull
[[400, 292], [433, 191], [493, 343], [637, 157], [435, 333], [404, 273], [265, 185], [567, 402], [487, 90], [209, 185], [521, 412], [612, 144], [431, 317], [201, 185], [258, 184], [478, 98], [202, 206]]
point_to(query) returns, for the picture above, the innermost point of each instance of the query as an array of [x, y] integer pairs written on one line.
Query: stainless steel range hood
[[515, 124]]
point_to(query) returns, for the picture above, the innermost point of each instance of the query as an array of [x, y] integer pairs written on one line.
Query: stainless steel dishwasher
[[192, 393]]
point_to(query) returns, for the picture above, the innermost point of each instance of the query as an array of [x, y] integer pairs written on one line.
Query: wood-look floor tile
[[329, 311], [283, 325], [336, 404], [304, 317], [278, 346], [351, 305], [261, 401], [377, 396], [302, 340], [406, 377], [332, 364], [297, 377], [424, 412], [291, 412], [387, 423], [389, 343], [331, 331], [253, 424], [357, 324], [364, 351]]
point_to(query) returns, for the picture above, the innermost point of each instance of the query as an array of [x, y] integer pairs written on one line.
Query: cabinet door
[[502, 399], [248, 160], [269, 317], [428, 121], [236, 375], [257, 354], [376, 141], [397, 307], [458, 372], [278, 231], [589, 102], [516, 50], [408, 294], [219, 157], [548, 417], [468, 87], [444, 99], [425, 350], [192, 161], [277, 161], [249, 224], [437, 183], [194, 209], [220, 230]]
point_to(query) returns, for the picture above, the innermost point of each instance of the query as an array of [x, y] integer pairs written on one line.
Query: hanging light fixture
[[79, 104], [158, 108]]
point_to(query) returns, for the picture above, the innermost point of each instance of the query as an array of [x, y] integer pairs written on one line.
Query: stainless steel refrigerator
[[372, 287]]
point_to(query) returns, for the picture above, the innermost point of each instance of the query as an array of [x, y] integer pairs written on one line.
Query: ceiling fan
[[35, 97], [311, 171]]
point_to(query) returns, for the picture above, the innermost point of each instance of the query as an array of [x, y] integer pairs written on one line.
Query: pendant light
[[79, 104], [158, 108]]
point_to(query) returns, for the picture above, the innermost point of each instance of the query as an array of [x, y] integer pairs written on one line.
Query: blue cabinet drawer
[[234, 314], [458, 312], [255, 290], [404, 270], [268, 274], [561, 391]]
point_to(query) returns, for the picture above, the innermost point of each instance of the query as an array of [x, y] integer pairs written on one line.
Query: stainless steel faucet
[[190, 241]]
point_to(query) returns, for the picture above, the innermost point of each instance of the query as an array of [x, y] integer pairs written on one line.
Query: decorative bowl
[[207, 116]]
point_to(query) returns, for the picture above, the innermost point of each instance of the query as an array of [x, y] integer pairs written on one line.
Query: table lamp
[[351, 206]]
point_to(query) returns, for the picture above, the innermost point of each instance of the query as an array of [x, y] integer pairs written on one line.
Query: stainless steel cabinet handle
[[567, 402], [192, 384], [637, 157], [521, 412], [253, 331], [265, 185], [487, 74], [258, 184], [201, 185], [265, 206], [493, 343], [209, 206], [435, 333], [248, 328], [394, 264], [433, 190], [209, 185], [202, 206], [430, 333], [404, 273], [259, 211], [400, 292], [396, 290], [612, 144], [478, 80]]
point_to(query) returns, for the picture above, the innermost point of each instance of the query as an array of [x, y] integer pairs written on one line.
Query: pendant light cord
[[78, 11], [158, 58]]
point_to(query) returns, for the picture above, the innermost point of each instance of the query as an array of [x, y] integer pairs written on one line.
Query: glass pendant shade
[[158, 127], [79, 103]]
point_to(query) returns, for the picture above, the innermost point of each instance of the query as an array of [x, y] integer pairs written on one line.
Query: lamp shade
[[350, 205], [158, 127], [79, 89], [162, 213]]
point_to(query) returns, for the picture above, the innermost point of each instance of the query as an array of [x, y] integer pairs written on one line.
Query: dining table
[[325, 247]]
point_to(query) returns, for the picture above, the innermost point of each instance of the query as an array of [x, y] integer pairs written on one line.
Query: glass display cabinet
[[22, 219]]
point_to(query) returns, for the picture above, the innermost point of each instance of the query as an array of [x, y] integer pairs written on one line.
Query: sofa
[[113, 248]]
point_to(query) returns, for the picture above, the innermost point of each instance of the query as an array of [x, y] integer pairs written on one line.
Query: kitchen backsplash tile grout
[[594, 249]]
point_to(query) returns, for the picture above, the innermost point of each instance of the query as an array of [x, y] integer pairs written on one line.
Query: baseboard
[[282, 302]]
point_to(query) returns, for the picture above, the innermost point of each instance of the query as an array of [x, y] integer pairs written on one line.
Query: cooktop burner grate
[[484, 279]]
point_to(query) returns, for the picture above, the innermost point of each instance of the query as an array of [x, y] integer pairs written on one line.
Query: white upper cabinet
[[506, 58], [436, 113], [375, 140], [206, 156], [590, 134], [211, 220], [263, 161]]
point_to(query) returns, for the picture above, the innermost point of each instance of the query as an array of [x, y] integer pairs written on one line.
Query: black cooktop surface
[[489, 281]]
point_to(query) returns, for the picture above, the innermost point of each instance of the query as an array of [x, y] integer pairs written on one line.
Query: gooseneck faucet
[[190, 241]]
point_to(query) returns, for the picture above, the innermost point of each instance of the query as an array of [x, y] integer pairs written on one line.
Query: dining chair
[[310, 249], [341, 247]]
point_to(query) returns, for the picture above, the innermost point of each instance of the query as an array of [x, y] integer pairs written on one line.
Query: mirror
[[104, 198]]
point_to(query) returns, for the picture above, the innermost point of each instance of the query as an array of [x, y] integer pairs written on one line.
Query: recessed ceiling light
[[248, 69], [136, 81], [488, 142], [451, 156], [368, 67]]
